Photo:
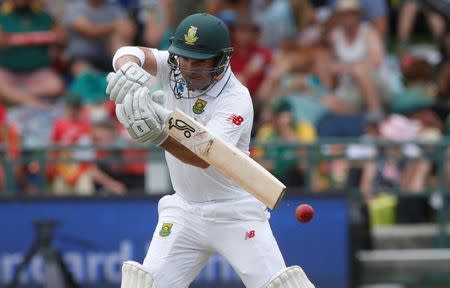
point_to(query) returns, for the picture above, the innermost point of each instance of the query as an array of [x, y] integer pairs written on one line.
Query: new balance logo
[[249, 234], [236, 119]]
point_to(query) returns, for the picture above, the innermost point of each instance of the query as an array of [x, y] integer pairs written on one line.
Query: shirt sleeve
[[232, 118]]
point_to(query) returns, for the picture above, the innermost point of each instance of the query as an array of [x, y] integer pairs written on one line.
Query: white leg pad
[[291, 277], [134, 275]]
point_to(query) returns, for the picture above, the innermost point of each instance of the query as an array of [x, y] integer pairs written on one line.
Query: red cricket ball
[[304, 213]]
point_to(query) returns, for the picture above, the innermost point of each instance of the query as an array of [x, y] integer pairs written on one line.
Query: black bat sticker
[[182, 126]]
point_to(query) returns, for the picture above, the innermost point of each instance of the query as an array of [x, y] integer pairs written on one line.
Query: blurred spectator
[[406, 21], [248, 50], [56, 7], [132, 170], [282, 160], [128, 165], [303, 54], [27, 34], [358, 73], [90, 85], [313, 24], [443, 79], [10, 149], [228, 14], [277, 23], [388, 172], [134, 161], [159, 23], [418, 94], [109, 161], [72, 129], [222, 7], [34, 124], [305, 94], [185, 8], [95, 30], [251, 61], [375, 12], [76, 174], [363, 76], [442, 103], [418, 89], [228, 10], [304, 13], [408, 173]]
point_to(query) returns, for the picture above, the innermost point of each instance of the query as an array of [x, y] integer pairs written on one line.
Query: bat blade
[[226, 158]]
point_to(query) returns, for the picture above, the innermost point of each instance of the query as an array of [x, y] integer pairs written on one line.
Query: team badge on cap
[[165, 229], [199, 106], [191, 36]]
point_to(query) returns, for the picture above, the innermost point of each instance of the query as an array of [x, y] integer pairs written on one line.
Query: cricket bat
[[226, 158]]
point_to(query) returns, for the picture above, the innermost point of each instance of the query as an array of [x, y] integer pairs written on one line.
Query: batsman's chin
[[197, 84]]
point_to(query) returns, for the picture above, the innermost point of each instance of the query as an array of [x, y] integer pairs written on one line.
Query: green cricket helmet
[[198, 37]]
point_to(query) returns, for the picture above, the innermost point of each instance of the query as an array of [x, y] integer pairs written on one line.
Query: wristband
[[129, 50]]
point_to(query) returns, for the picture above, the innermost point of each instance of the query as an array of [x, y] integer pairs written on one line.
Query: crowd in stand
[[315, 69]]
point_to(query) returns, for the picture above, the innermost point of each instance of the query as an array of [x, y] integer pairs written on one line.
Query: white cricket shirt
[[227, 111]]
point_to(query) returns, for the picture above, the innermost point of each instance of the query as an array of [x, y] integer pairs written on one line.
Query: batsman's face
[[197, 73]]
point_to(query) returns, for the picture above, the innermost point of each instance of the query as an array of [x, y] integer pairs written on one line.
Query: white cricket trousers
[[188, 233]]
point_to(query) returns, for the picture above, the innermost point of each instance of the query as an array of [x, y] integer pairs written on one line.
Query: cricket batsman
[[208, 212]]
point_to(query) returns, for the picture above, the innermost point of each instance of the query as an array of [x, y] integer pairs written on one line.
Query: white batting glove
[[125, 81], [143, 117], [159, 99]]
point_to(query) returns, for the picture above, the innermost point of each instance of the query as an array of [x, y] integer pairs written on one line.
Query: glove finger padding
[[136, 109], [159, 97], [120, 114], [126, 80], [127, 88], [163, 113], [143, 100], [128, 107], [135, 73], [118, 85], [139, 113], [112, 79]]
